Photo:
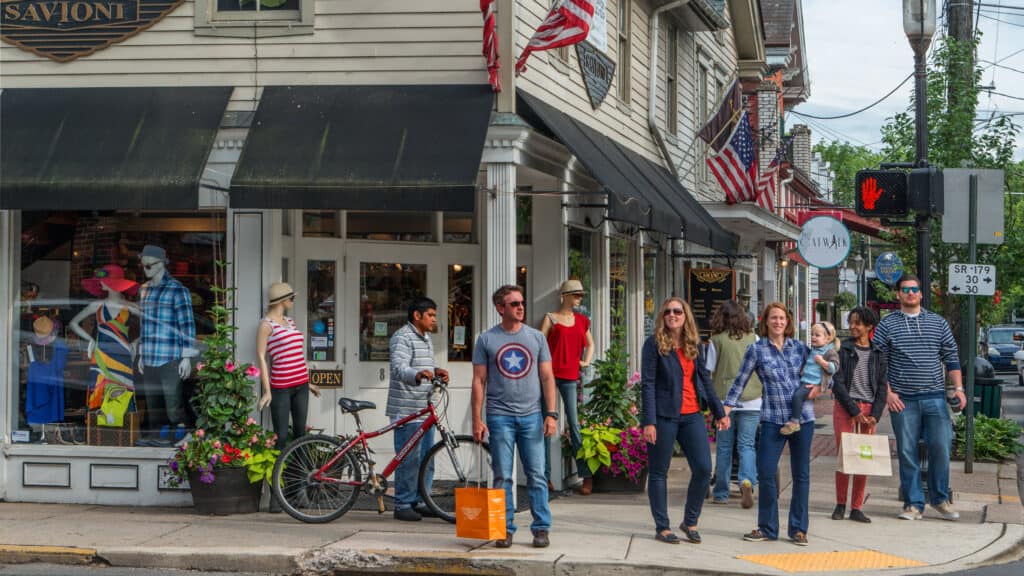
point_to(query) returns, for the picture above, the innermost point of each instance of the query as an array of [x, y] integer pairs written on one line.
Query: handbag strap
[[480, 462]]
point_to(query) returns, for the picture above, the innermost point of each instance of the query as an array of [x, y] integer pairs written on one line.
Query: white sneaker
[[945, 509], [910, 513]]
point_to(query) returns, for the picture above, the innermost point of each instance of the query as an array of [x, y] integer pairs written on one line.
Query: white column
[[8, 376], [499, 234]]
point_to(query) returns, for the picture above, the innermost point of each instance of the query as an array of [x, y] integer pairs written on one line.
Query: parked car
[[1001, 343], [1019, 357]]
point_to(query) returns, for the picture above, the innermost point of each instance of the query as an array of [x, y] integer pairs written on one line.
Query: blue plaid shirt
[[779, 373], [168, 329]]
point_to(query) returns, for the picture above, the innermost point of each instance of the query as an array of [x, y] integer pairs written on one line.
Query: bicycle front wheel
[[457, 463], [308, 491]]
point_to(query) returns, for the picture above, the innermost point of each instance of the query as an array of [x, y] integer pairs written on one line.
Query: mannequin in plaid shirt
[[166, 348]]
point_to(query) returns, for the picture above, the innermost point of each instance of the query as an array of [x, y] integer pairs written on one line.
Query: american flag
[[490, 43], [566, 24], [766, 190], [734, 165]]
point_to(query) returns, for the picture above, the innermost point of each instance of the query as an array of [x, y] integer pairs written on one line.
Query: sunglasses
[[910, 289], [673, 311], [515, 304], [150, 266]]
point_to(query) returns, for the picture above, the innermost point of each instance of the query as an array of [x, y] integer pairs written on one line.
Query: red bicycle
[[318, 478]]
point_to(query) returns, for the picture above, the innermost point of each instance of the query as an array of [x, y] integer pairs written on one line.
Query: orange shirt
[[690, 403]]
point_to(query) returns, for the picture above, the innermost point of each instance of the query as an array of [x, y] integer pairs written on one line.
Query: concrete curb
[[241, 558], [17, 554]]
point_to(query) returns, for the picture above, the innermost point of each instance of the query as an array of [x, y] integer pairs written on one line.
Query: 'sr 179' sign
[[63, 30]]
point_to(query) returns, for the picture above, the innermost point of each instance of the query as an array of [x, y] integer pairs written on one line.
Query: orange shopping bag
[[480, 511]]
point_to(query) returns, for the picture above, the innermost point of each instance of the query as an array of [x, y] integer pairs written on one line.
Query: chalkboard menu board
[[708, 288]]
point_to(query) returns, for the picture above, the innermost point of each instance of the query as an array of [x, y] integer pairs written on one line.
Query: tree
[[957, 140], [846, 159]]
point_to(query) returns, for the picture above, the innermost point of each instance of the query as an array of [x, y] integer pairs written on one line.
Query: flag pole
[[696, 137]]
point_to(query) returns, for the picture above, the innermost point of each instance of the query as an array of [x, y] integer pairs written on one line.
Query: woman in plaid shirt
[[778, 359]]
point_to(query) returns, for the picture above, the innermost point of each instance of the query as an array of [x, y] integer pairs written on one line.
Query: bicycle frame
[[362, 437]]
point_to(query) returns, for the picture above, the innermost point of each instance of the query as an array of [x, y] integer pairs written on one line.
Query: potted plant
[[229, 456], [613, 443]]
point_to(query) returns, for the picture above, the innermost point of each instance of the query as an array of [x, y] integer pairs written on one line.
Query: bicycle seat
[[350, 405]]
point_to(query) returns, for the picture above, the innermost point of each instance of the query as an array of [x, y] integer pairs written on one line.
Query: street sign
[[889, 267], [881, 193], [955, 223], [972, 279]]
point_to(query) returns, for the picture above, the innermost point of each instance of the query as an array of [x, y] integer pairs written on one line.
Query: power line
[[868, 107], [1004, 95]]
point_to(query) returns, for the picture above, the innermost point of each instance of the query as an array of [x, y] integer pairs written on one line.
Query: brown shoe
[[587, 487], [746, 494], [506, 542], [540, 539]]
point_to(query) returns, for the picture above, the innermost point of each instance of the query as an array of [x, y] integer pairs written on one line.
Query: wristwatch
[[958, 389], [551, 415]]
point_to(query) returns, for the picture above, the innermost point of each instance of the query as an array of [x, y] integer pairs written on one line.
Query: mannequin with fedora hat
[[285, 378], [47, 355], [166, 347], [110, 350], [572, 347]]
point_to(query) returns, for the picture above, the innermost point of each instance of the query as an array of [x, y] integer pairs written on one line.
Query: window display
[[618, 276], [581, 264], [460, 313], [320, 312], [385, 291], [112, 313], [650, 287]]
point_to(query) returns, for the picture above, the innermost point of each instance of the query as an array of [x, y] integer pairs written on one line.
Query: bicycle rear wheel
[[303, 496], [459, 464]]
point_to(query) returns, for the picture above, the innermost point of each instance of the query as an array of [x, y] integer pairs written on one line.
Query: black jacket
[[876, 376], [661, 392]]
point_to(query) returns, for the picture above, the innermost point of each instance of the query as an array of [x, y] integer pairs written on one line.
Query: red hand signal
[[870, 193]]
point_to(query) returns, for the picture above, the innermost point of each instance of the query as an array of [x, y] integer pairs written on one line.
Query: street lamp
[[919, 26], [858, 267]]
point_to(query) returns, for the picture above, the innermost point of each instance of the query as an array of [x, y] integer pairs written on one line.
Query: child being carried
[[822, 363]]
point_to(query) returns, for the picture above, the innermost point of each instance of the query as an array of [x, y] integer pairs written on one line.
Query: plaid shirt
[[168, 329], [779, 373]]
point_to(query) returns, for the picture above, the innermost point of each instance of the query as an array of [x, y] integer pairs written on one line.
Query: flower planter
[[230, 493], [606, 483]]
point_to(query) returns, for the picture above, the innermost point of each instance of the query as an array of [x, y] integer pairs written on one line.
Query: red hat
[[113, 276]]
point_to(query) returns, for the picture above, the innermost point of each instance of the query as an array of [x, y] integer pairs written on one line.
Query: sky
[[857, 52]]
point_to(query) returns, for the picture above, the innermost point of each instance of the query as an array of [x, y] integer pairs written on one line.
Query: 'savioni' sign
[[63, 30], [598, 72]]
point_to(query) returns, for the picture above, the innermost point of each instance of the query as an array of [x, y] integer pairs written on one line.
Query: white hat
[[570, 286], [279, 292]]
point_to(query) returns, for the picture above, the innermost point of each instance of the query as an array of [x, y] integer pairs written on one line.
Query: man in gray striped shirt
[[412, 368], [921, 351]]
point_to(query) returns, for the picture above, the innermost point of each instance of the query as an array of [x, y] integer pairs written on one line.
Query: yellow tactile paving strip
[[831, 561]]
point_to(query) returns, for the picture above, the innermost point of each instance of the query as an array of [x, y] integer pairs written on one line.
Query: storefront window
[[320, 224], [391, 226], [524, 220], [458, 227], [460, 313], [321, 318], [385, 292], [522, 278], [650, 287], [580, 264], [618, 275], [112, 312]]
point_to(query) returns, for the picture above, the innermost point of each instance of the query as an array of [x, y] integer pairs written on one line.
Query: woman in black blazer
[[675, 384]]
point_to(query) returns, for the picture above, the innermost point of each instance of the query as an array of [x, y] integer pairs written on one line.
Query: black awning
[[106, 148], [665, 204], [364, 148], [628, 199]]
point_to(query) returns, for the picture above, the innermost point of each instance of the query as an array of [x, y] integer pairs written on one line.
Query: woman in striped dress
[[286, 384]]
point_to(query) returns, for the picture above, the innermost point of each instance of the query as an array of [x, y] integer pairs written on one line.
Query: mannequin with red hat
[[110, 350]]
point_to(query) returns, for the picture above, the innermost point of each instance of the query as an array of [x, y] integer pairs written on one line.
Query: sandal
[[667, 538]]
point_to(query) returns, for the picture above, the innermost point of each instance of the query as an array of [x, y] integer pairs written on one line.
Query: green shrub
[[995, 439]]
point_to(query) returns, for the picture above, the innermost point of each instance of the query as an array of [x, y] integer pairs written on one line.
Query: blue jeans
[[527, 433], [567, 389], [769, 451], [692, 434], [744, 426], [926, 419], [407, 475], [799, 397]]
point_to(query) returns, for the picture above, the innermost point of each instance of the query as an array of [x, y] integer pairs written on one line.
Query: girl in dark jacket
[[675, 383], [860, 390]]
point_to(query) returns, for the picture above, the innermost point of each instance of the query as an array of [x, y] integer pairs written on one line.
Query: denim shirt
[[780, 375]]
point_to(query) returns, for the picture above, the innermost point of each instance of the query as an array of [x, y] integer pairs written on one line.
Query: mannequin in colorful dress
[[110, 350]]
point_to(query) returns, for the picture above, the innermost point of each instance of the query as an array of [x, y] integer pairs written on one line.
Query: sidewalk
[[599, 534]]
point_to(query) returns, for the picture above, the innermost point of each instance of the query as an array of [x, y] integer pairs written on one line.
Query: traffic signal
[[881, 193], [927, 191]]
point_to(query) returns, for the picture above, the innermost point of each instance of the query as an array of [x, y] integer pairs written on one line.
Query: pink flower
[[633, 379], [632, 409], [200, 433], [252, 372], [216, 444], [200, 366], [250, 421], [269, 443], [229, 366], [254, 439]]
